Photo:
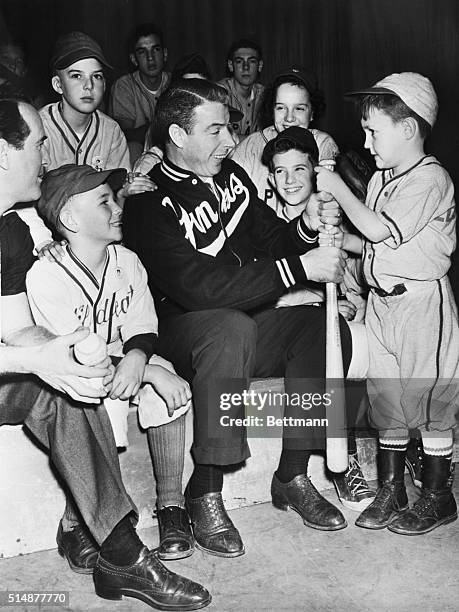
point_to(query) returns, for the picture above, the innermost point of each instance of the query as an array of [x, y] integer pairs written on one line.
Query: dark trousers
[[81, 446], [211, 345]]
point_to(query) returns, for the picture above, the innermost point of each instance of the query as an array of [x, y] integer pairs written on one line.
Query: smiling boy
[[101, 285], [408, 227]]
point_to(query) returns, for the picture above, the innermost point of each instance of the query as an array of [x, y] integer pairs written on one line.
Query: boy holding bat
[[408, 229]]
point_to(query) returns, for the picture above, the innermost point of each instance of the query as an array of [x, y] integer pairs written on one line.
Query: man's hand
[[53, 362], [324, 264], [129, 374], [53, 251], [174, 390]]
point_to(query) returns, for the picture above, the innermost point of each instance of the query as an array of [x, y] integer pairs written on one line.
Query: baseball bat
[[336, 441]]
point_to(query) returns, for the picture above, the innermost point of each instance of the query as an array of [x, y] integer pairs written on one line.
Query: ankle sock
[[292, 463], [122, 547], [205, 479]]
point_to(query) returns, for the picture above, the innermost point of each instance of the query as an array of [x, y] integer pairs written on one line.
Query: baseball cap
[[308, 79], [297, 136], [75, 46], [413, 88], [62, 183]]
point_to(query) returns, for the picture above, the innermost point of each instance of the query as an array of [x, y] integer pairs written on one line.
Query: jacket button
[[194, 182]]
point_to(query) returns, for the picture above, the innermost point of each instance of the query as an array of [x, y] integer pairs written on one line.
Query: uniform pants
[[81, 446], [212, 345]]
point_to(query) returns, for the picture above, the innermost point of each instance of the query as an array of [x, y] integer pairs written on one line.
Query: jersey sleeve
[[17, 256], [119, 152], [49, 300], [141, 319], [121, 107], [413, 203]]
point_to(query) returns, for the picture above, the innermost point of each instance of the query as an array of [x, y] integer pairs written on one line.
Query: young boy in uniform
[[408, 229], [291, 158], [76, 131], [101, 285]]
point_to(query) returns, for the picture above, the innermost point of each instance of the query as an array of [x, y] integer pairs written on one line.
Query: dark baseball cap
[[62, 183], [297, 136], [73, 47], [298, 73]]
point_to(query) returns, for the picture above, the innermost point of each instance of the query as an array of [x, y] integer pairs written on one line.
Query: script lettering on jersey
[[112, 307], [203, 217]]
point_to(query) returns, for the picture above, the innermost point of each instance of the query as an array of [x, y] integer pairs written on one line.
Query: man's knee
[[230, 335]]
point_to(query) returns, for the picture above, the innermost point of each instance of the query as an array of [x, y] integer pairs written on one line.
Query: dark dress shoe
[[175, 536], [78, 547], [302, 496], [213, 529], [432, 509], [150, 581], [389, 503]]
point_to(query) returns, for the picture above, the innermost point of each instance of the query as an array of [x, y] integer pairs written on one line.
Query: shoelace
[[425, 505], [356, 479], [383, 496], [83, 536]]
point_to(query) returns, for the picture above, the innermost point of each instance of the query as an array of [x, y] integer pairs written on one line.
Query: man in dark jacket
[[218, 259]]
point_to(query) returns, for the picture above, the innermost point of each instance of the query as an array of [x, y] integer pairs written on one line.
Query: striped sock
[[394, 442], [167, 449], [438, 443]]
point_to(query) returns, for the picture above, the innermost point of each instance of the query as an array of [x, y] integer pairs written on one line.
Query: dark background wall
[[348, 43]]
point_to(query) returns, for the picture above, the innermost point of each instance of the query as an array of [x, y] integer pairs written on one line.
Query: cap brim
[[76, 56], [370, 90], [114, 178]]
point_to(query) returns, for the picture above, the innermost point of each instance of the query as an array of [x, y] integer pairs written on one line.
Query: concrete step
[[32, 502]]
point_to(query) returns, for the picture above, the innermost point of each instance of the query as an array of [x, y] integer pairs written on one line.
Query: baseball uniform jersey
[[250, 107], [118, 306], [413, 333], [102, 146]]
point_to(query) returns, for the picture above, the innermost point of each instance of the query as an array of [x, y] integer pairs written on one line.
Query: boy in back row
[[408, 229], [77, 132]]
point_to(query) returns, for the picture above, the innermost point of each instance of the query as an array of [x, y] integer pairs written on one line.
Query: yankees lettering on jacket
[[212, 243]]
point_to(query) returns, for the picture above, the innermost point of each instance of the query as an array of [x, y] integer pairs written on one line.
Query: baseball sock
[[394, 442], [123, 545], [167, 449], [438, 443], [205, 479], [292, 463]]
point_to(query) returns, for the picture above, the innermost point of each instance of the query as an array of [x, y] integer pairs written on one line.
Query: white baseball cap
[[413, 88]]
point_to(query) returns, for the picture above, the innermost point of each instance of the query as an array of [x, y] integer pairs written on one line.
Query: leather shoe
[[78, 547], [213, 529], [175, 536], [389, 503], [301, 495], [150, 581]]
